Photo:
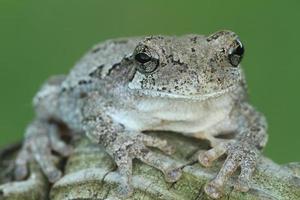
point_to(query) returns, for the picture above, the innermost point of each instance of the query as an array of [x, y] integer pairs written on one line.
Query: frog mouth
[[193, 97]]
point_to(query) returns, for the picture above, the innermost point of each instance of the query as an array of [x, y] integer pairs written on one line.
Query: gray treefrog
[[192, 84]]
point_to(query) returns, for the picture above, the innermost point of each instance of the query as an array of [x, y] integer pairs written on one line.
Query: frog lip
[[193, 97]]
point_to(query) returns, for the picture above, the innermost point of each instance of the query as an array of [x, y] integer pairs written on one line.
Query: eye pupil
[[142, 57]]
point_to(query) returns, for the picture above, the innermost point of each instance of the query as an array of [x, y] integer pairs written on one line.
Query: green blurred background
[[42, 38]]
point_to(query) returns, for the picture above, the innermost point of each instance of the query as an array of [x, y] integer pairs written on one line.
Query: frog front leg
[[41, 139], [125, 145], [242, 151]]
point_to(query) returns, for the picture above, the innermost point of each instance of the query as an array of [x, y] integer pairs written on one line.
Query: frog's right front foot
[[126, 148], [41, 139]]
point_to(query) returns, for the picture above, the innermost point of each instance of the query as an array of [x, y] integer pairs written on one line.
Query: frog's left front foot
[[240, 154]]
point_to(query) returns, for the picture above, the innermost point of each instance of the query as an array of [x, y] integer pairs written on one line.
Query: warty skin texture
[[191, 84]]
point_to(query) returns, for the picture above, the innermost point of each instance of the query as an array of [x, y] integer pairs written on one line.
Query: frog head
[[190, 66]]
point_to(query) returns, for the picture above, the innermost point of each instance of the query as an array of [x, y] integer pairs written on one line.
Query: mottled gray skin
[[191, 84]]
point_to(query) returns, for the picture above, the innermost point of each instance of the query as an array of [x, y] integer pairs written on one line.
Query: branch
[[91, 174]]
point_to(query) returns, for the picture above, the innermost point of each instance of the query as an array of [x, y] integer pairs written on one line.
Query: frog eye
[[236, 54], [142, 58], [147, 60]]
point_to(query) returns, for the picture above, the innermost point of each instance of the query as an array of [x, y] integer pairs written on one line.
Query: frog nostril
[[236, 54]]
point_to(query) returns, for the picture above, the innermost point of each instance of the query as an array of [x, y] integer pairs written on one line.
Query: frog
[[192, 84]]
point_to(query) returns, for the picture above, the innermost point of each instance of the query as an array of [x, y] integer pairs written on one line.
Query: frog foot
[[41, 139], [136, 147], [239, 154]]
